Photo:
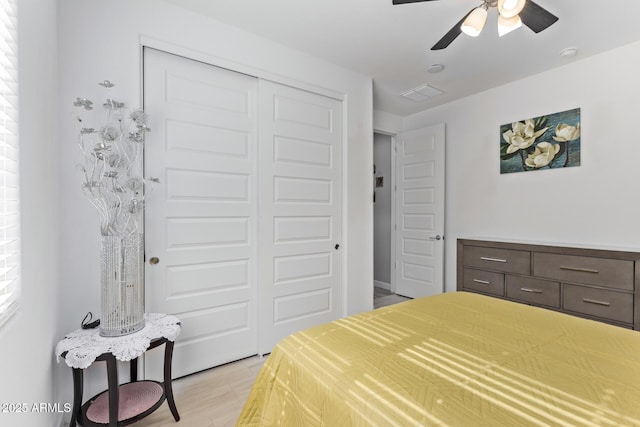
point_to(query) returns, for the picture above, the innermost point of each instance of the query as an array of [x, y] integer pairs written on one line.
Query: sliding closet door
[[201, 220], [300, 203]]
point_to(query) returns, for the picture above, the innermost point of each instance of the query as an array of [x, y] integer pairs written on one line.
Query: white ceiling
[[392, 43]]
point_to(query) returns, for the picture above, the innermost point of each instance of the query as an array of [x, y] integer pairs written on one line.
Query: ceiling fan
[[511, 15]]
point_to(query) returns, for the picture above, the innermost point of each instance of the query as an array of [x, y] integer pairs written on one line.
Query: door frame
[[392, 225], [394, 222], [394, 194]]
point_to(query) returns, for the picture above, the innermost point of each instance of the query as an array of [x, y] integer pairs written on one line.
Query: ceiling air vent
[[422, 93]]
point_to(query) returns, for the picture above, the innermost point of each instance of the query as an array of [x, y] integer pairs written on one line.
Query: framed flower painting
[[545, 142]]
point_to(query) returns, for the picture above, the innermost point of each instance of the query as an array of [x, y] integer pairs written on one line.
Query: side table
[[127, 403]]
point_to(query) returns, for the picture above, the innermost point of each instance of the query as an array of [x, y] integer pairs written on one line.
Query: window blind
[[9, 206]]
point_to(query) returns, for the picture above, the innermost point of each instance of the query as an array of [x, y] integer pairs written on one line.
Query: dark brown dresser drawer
[[597, 283], [602, 303], [534, 291], [486, 282], [611, 273], [507, 260]]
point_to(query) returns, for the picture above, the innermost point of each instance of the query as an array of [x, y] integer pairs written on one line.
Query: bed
[[455, 359]]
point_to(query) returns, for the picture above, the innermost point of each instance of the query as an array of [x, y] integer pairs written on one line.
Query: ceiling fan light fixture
[[510, 8], [506, 25], [473, 25]]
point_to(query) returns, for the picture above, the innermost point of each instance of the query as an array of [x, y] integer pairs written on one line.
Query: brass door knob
[[154, 260]]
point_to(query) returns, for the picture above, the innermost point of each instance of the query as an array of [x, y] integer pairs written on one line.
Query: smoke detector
[[569, 52], [435, 68]]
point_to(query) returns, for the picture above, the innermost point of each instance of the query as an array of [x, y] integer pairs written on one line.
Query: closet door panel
[[300, 214], [201, 219]]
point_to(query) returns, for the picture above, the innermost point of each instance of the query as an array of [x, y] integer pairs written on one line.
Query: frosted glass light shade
[[510, 8], [122, 285], [506, 25], [473, 25]]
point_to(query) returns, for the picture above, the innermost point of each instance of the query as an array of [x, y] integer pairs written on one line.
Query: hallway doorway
[[383, 222], [409, 187]]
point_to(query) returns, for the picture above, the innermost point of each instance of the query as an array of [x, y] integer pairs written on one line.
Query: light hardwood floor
[[214, 398]]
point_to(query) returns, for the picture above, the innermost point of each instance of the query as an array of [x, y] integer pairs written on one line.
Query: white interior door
[[300, 211], [420, 212], [201, 220]]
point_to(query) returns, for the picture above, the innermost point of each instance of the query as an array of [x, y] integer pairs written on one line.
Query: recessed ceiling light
[[569, 52], [435, 68]]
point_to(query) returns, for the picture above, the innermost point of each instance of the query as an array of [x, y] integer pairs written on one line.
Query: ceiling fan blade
[[409, 1], [536, 17], [451, 35]]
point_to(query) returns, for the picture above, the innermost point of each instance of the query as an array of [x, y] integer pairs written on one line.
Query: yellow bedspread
[[456, 359]]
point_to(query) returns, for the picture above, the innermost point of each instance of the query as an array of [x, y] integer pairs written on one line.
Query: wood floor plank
[[212, 398]]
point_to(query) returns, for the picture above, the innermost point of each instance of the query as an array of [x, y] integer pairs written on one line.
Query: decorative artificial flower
[[111, 175], [112, 104], [135, 184], [542, 155], [522, 135], [135, 206], [84, 102], [114, 160], [139, 117], [137, 136], [565, 133], [109, 133]]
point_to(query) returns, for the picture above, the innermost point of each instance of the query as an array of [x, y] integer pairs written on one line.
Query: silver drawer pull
[[484, 282], [593, 301], [484, 258], [532, 291], [582, 270]]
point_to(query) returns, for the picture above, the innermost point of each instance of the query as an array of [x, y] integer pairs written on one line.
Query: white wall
[[28, 339], [597, 203], [100, 39], [386, 123], [382, 211]]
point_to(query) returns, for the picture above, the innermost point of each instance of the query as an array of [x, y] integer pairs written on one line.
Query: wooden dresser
[[595, 283]]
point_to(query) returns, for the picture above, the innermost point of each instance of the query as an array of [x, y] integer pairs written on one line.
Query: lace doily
[[83, 346]]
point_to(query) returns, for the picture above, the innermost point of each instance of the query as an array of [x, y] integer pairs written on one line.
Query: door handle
[[337, 246], [437, 237], [154, 260]]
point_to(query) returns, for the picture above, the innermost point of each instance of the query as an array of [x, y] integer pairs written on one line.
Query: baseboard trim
[[383, 285]]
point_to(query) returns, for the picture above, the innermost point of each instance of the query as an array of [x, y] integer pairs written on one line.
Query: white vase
[[122, 285]]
